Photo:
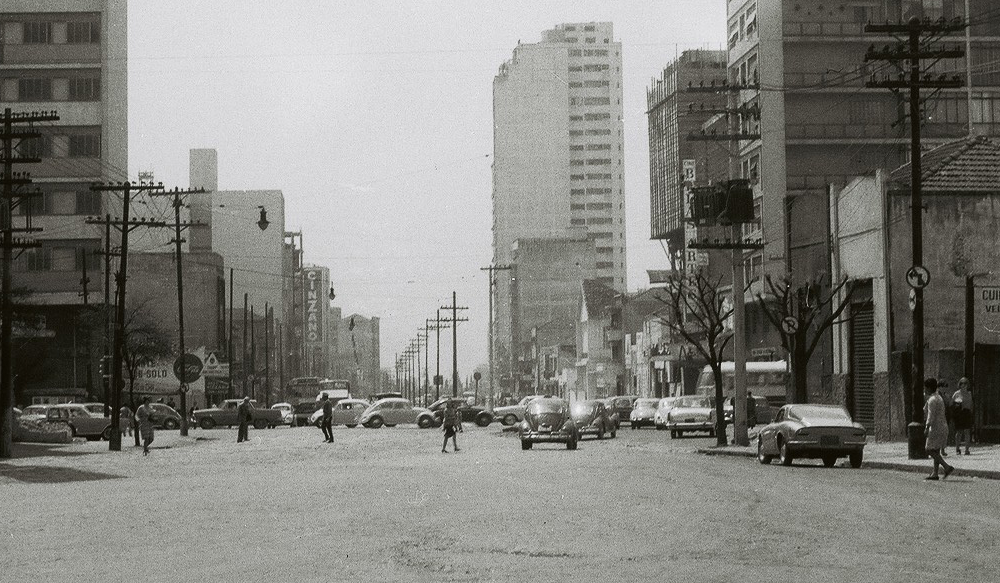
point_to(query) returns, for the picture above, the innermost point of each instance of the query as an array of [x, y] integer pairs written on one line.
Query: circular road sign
[[187, 368], [477, 376], [913, 300], [918, 277], [790, 325]]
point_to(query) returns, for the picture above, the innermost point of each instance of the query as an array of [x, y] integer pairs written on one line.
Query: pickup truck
[[225, 414]]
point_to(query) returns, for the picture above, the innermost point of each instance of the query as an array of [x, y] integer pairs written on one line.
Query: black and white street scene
[[500, 291]]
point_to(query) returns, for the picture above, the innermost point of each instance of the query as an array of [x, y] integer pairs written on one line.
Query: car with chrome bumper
[[393, 411], [511, 414], [593, 418], [826, 432], [548, 420], [643, 412], [346, 412], [689, 414]]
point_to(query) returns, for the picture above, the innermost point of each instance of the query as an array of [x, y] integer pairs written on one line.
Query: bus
[[334, 389], [302, 388], [764, 379]]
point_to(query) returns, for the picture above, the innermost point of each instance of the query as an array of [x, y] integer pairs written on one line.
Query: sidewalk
[[983, 463]]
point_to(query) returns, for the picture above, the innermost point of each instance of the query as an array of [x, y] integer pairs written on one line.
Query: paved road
[[386, 505]]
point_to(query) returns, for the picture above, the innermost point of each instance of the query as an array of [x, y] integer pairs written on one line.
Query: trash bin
[[915, 441]]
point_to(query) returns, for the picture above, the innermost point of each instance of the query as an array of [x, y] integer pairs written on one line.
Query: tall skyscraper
[[558, 159]]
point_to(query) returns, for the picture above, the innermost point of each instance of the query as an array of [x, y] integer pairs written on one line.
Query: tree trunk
[[800, 373], [720, 416]]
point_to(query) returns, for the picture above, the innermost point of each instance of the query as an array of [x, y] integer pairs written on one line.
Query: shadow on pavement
[[50, 475], [23, 450]]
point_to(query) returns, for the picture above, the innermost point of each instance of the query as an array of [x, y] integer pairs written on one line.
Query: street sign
[[913, 299], [187, 368], [918, 277], [477, 376], [790, 325], [214, 367]]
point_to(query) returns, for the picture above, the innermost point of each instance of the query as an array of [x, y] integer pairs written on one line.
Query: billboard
[[316, 282]]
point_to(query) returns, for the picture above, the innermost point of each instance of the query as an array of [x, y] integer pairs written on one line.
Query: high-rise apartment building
[[558, 159], [70, 57], [803, 64]]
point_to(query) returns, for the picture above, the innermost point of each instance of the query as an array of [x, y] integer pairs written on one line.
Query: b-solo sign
[[315, 311]]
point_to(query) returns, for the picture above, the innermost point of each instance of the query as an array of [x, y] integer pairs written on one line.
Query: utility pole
[[253, 355], [397, 372], [7, 206], [178, 227], [229, 345], [85, 294], [106, 358], [267, 353], [915, 51], [438, 379], [454, 320], [128, 224], [492, 269], [243, 360]]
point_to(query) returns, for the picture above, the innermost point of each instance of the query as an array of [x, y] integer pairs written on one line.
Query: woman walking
[[145, 417], [450, 423], [935, 428]]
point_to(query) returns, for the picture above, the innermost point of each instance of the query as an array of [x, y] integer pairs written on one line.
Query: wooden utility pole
[[454, 320], [492, 269], [7, 206], [127, 190], [915, 50]]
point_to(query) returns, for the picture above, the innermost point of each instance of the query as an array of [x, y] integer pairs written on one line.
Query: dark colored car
[[594, 418], [165, 416], [621, 406], [469, 413], [548, 420], [302, 411]]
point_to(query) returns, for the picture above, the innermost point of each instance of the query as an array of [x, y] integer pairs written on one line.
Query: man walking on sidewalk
[[935, 428], [326, 422]]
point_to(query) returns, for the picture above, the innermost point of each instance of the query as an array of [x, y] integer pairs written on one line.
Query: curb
[[875, 465]]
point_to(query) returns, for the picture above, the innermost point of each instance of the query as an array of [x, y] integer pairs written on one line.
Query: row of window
[[78, 145], [57, 258], [588, 52], [51, 89], [590, 147], [590, 83], [591, 221], [592, 67], [588, 40], [591, 206], [45, 33], [590, 117], [591, 132], [590, 101], [586, 28], [81, 202], [591, 162], [580, 191], [592, 176]]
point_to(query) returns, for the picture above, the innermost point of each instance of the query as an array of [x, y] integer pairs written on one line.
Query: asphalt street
[[387, 505]]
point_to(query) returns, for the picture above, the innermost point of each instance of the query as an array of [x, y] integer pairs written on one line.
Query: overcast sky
[[375, 120]]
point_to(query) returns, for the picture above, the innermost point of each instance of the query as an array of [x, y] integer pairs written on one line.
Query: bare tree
[[695, 311], [145, 343], [802, 315]]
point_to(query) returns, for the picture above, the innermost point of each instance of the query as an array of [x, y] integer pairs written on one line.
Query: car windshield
[[584, 407], [693, 403], [35, 410], [646, 403], [547, 406], [821, 412]]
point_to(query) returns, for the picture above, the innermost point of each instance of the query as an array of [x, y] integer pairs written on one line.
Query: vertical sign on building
[[692, 258], [315, 304]]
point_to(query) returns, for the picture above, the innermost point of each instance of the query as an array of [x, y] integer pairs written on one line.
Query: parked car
[[393, 411], [302, 412], [287, 412], [691, 413], [345, 412], [225, 414], [826, 432], [593, 418], [81, 421], [547, 420], [762, 408], [621, 406], [662, 408], [643, 412], [35, 412], [512, 414], [481, 416], [165, 416]]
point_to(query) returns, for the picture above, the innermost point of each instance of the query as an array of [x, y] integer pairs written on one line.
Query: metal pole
[[916, 427], [180, 307], [243, 360], [107, 308], [739, 349], [267, 354], [454, 344], [489, 398], [7, 311], [253, 354], [229, 350], [437, 346]]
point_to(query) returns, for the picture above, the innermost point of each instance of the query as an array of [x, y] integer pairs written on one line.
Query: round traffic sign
[[476, 375], [187, 368], [918, 277], [790, 325]]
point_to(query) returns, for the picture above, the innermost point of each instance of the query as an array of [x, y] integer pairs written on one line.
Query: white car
[[345, 412], [643, 412], [691, 413], [287, 412], [660, 417], [512, 414], [393, 411]]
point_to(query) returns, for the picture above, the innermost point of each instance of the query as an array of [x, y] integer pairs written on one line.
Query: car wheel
[[600, 433], [829, 460], [525, 444], [634, 426], [106, 434], [170, 424], [483, 420], [784, 456], [614, 432], [260, 424], [571, 444], [856, 458], [424, 423], [673, 434], [711, 433], [206, 423], [761, 456], [375, 422], [510, 419]]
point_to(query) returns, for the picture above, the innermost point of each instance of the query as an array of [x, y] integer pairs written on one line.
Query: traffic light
[[106, 367]]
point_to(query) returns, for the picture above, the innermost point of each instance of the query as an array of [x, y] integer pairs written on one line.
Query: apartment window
[[34, 89], [605, 250], [598, 132], [598, 191], [597, 101], [605, 264], [88, 202], [571, 39], [569, 28], [598, 146], [599, 235], [595, 83], [37, 33], [576, 176], [37, 259], [575, 84], [595, 53], [85, 89], [38, 205], [597, 67], [588, 28], [577, 221], [576, 191], [591, 40], [577, 207], [575, 69], [598, 161], [576, 118], [85, 146], [599, 221], [40, 147], [575, 52], [596, 116], [598, 206], [576, 147], [576, 132], [83, 32], [576, 162], [598, 177], [87, 254]]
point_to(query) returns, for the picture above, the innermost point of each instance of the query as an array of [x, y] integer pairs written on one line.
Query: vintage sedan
[[225, 414], [643, 412], [346, 412], [393, 411], [548, 420], [593, 418], [512, 414], [620, 407], [287, 412], [165, 416], [35, 412], [81, 421], [826, 432], [481, 416], [662, 408], [691, 413]]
